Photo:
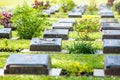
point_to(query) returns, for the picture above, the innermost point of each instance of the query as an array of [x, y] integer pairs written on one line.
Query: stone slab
[[1, 72], [56, 33], [112, 65], [28, 64], [62, 51], [6, 33], [107, 15], [46, 44], [67, 20], [75, 15], [110, 26], [55, 72], [99, 73], [111, 20], [68, 26], [99, 52], [111, 34], [111, 46]]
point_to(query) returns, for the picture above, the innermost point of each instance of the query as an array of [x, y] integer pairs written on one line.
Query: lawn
[[68, 62]]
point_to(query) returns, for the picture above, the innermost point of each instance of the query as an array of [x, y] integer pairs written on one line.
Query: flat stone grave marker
[[107, 15], [111, 46], [68, 26], [56, 33], [112, 20], [78, 10], [112, 65], [46, 13], [28, 64], [75, 14], [67, 20], [55, 8], [110, 26], [5, 33], [111, 34], [46, 44]]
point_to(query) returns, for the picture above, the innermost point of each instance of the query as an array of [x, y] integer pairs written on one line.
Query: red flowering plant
[[5, 19], [42, 4]]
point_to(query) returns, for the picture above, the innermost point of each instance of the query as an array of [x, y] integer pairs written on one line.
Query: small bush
[[85, 26], [117, 6], [67, 5], [29, 21], [92, 6], [82, 48]]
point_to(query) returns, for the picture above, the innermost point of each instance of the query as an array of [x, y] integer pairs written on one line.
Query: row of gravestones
[[41, 63], [78, 11], [110, 28]]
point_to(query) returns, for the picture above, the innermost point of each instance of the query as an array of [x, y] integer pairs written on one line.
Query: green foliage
[[6, 47], [85, 26], [92, 6], [67, 5], [82, 48], [117, 6], [29, 21]]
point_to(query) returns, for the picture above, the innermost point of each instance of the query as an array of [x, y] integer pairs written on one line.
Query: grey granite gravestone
[[56, 33], [110, 26], [67, 20], [28, 64], [111, 34], [5, 33], [46, 13], [112, 20], [112, 65], [46, 44], [107, 15], [111, 46], [75, 14], [68, 26]]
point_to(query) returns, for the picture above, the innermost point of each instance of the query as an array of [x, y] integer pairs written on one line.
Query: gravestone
[[110, 26], [112, 20], [46, 13], [56, 33], [5, 33], [107, 15], [111, 34], [46, 44], [111, 46], [67, 20], [75, 14], [28, 64], [112, 65], [68, 26]]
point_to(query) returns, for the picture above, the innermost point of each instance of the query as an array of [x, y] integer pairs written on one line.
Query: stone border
[[63, 51]]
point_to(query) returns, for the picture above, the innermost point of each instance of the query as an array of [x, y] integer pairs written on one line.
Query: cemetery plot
[[28, 64], [75, 15], [111, 34], [68, 26], [5, 33], [56, 33], [67, 20], [46, 44], [112, 20], [111, 46], [112, 65], [110, 26]]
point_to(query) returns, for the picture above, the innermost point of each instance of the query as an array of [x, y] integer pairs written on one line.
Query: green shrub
[[67, 5], [82, 48], [117, 6], [85, 26], [92, 6], [29, 21]]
